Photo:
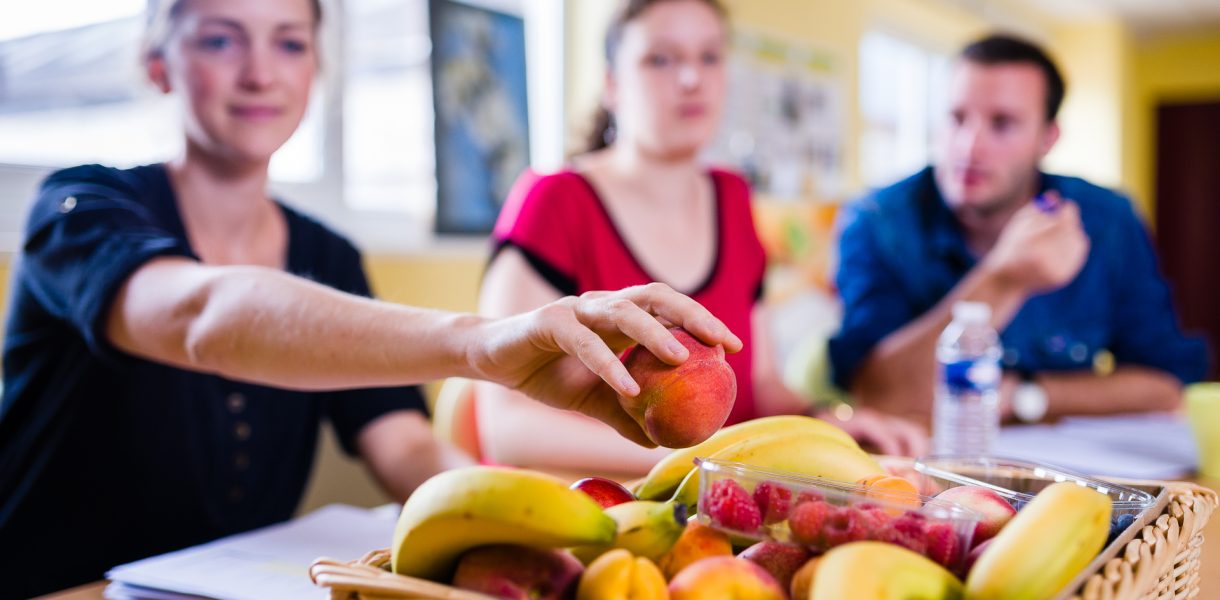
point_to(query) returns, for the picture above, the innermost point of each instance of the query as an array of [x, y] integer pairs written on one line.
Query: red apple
[[995, 509], [604, 491], [971, 558], [519, 572], [779, 559]]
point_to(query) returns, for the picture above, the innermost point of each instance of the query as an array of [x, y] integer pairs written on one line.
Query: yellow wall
[[1094, 58], [1182, 68], [444, 282]]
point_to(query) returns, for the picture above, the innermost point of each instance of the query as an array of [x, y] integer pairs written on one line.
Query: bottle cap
[[972, 312]]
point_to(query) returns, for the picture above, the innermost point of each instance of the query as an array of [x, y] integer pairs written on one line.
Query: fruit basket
[[1156, 558]]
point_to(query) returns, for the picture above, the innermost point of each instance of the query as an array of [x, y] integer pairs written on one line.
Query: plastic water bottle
[[966, 413]]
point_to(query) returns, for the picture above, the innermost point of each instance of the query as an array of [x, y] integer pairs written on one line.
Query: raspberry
[[843, 525], [729, 505], [806, 522], [773, 501], [907, 531], [874, 521], [942, 543], [808, 496]]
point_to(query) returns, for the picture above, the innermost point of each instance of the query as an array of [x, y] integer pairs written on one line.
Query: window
[[902, 96], [388, 157], [73, 90]]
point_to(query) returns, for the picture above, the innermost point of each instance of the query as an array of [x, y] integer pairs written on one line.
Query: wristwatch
[[1029, 400]]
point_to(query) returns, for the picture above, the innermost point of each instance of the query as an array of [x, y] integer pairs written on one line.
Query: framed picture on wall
[[482, 125]]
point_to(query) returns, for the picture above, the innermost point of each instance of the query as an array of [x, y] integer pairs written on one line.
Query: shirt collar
[[940, 226]]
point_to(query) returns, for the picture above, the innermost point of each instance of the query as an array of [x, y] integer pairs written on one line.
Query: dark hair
[[998, 48], [163, 16], [629, 10]]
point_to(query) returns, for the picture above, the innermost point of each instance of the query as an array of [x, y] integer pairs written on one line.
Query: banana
[[617, 575], [791, 451], [1042, 548], [646, 528], [474, 506], [881, 571], [665, 476]]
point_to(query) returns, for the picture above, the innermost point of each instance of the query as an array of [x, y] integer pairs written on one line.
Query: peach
[[995, 509], [680, 406], [725, 578], [518, 572], [802, 580], [698, 541], [895, 490], [779, 559]]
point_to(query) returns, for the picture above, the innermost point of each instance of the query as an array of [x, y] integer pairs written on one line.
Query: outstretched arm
[[265, 326]]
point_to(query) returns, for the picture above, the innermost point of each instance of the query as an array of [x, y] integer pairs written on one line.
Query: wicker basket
[[1157, 558]]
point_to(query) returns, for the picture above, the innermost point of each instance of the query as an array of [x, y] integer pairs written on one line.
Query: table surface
[[1209, 584]]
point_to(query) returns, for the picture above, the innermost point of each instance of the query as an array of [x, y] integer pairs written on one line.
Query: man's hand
[[565, 354], [1040, 250]]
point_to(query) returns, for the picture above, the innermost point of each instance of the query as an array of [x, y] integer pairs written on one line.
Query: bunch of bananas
[[476, 506], [800, 445]]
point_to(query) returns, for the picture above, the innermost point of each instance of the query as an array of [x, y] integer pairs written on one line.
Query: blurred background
[[428, 109]]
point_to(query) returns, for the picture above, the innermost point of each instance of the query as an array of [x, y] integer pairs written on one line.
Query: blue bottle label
[[971, 375]]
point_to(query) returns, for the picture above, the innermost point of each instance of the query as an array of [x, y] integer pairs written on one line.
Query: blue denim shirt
[[901, 251]]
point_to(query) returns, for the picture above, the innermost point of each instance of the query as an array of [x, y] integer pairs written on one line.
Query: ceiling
[[1144, 17]]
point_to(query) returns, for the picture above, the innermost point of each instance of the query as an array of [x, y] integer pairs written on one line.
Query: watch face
[[1029, 402]]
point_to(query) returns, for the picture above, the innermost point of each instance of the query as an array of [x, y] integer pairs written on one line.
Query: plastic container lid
[[1019, 481]]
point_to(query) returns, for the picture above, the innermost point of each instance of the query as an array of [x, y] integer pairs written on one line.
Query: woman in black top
[[176, 335]]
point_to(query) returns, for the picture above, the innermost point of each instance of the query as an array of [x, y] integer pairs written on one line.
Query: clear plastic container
[[1017, 481], [753, 504]]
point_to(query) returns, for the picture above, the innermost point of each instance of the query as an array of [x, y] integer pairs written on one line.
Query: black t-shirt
[[105, 457]]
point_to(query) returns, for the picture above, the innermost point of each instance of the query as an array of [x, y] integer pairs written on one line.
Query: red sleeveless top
[[563, 229]]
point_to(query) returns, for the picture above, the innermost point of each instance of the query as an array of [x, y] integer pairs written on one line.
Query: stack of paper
[[1141, 446], [267, 563]]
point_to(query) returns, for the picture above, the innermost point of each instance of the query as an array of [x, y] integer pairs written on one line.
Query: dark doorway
[[1188, 213]]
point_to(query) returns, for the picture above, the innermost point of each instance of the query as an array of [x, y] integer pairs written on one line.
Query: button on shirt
[[120, 458], [901, 251]]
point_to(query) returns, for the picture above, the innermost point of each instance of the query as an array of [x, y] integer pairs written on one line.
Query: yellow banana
[[881, 571], [792, 451], [666, 475], [617, 575], [475, 506], [646, 528], [1042, 548]]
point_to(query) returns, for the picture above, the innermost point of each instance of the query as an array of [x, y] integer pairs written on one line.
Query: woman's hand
[[565, 354], [883, 433]]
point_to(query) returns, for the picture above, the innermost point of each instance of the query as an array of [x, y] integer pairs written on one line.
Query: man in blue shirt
[[1085, 317]]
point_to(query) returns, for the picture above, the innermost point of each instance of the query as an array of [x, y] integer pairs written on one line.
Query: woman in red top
[[640, 207]]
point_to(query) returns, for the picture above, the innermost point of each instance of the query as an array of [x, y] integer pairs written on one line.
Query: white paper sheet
[[1140, 446], [272, 562]]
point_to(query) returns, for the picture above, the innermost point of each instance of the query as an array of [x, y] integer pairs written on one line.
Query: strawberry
[[773, 500], [730, 505]]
